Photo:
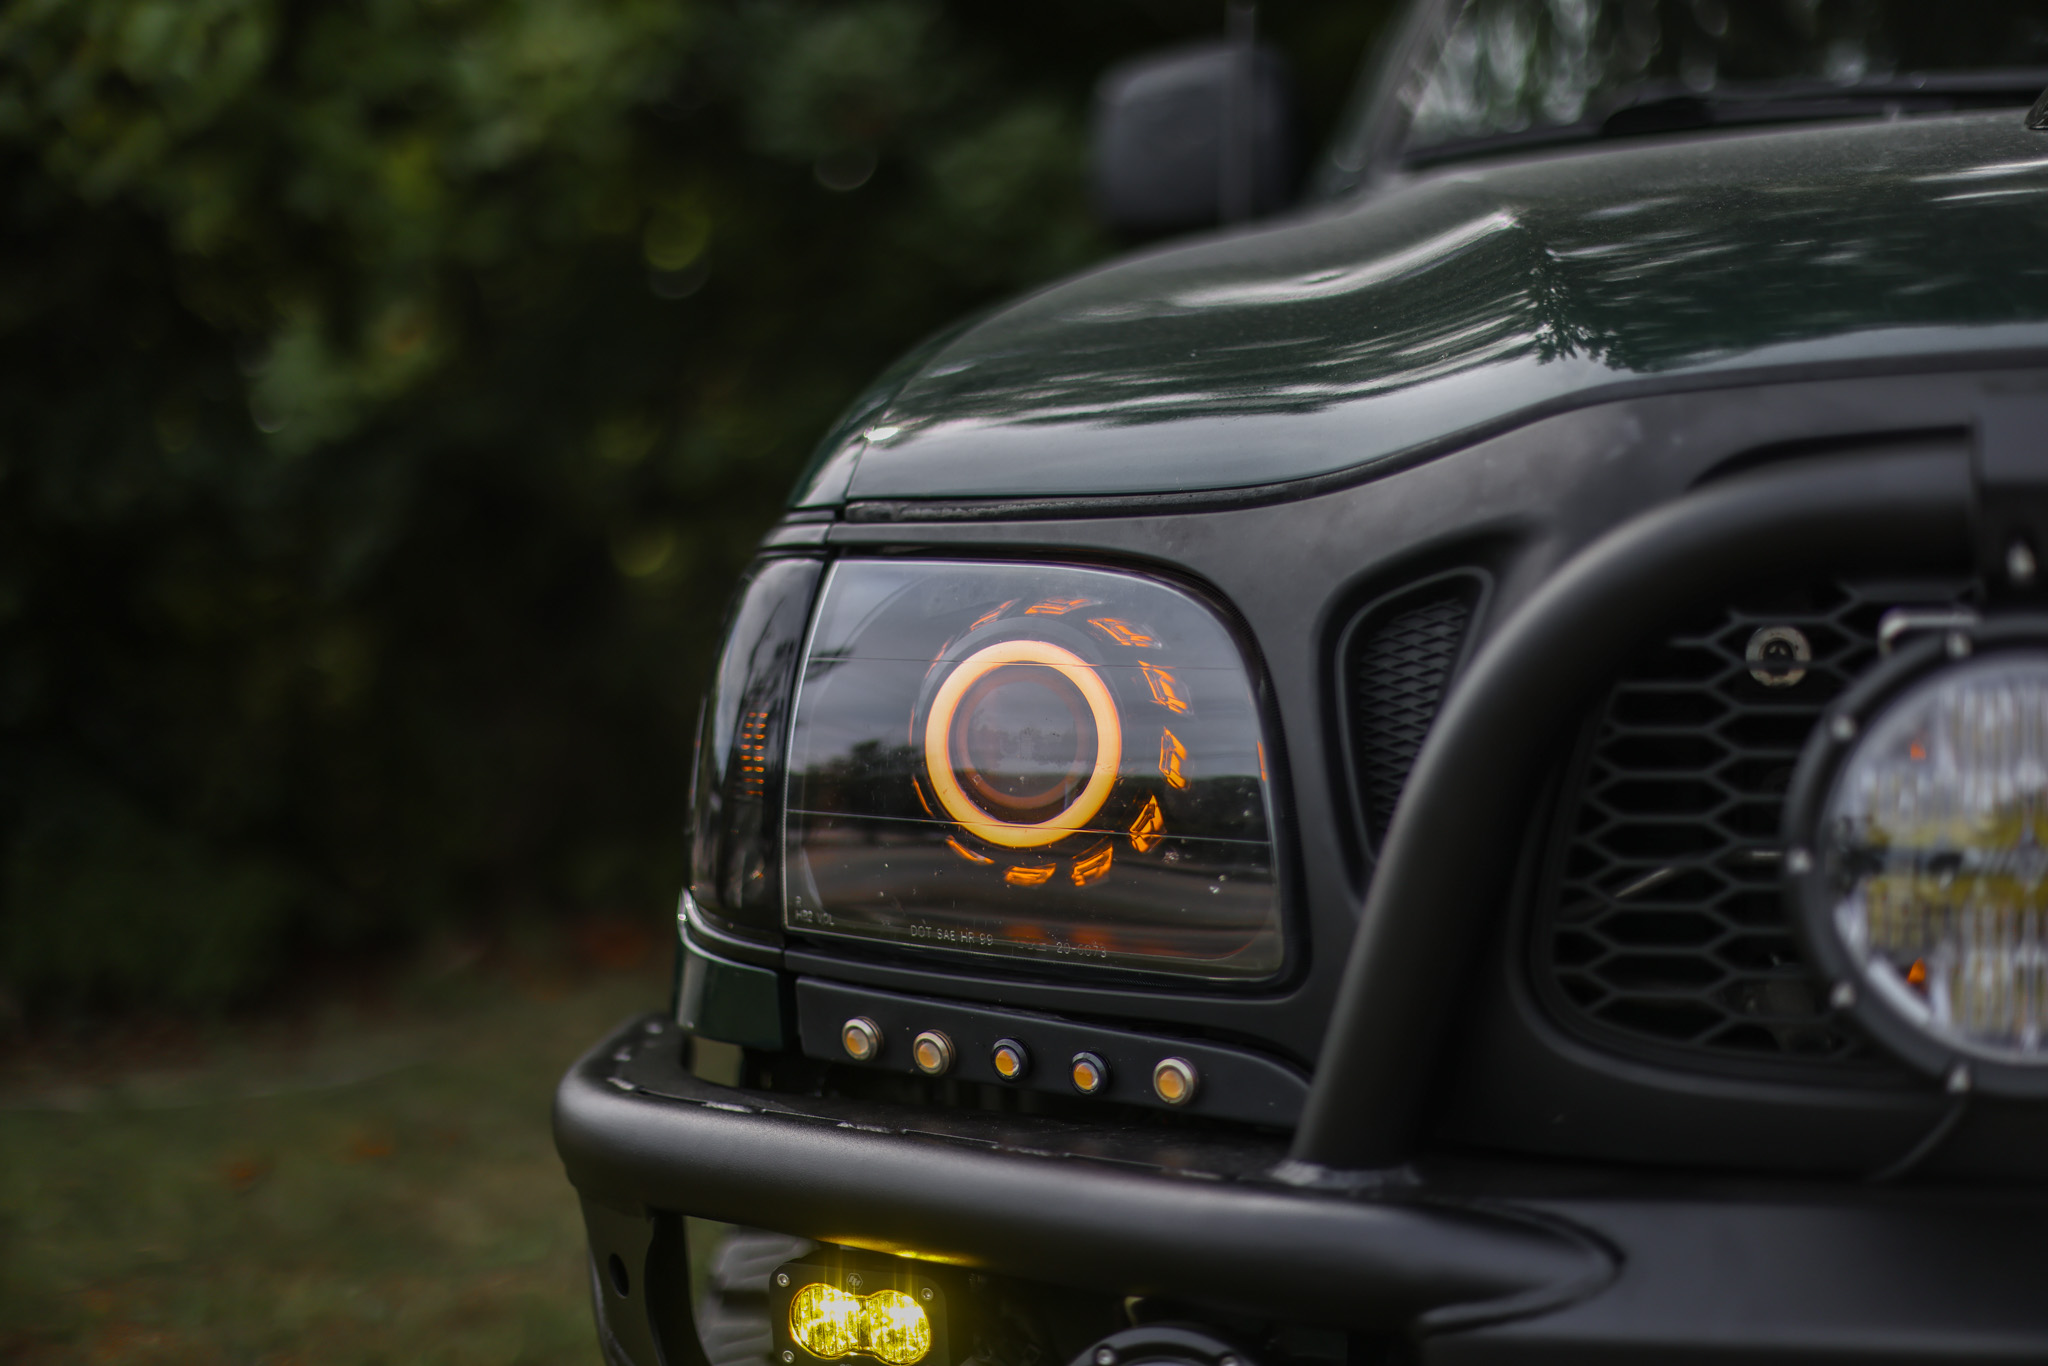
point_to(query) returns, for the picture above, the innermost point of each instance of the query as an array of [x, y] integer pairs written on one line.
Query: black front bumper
[[1466, 1261]]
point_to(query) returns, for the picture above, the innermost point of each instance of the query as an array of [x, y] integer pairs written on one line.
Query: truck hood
[[1469, 299]]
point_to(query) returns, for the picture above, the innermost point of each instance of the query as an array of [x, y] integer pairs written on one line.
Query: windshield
[[1549, 70]]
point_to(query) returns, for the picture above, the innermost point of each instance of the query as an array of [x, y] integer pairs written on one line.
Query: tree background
[[390, 391]]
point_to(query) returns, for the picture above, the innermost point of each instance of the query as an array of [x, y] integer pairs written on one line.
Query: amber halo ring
[[938, 727]]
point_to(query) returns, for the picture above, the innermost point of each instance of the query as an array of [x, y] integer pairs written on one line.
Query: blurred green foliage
[[389, 391]]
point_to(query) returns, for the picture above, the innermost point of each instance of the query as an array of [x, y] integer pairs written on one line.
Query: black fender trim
[[1132, 1210], [1448, 858]]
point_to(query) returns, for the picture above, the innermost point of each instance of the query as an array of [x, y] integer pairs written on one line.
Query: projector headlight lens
[[1918, 864], [1030, 762]]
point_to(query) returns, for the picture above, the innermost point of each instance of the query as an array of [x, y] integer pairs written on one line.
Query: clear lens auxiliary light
[[1917, 855]]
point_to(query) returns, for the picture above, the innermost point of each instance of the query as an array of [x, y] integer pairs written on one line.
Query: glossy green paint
[[1470, 297]]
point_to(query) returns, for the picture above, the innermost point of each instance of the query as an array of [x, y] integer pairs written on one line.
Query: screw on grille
[[1662, 927], [1778, 656]]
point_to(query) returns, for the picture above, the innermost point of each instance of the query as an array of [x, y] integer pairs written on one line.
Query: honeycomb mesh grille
[[1662, 924], [1401, 661]]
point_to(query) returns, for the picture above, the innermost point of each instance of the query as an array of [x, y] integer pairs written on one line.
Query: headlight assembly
[[1918, 855], [1031, 762]]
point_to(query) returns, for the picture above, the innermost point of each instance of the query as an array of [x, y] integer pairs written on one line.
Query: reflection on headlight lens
[[1030, 761]]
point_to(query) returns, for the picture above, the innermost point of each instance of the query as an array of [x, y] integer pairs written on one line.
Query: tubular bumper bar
[[1133, 1212], [1585, 1268]]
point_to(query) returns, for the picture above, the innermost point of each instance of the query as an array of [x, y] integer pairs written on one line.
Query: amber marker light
[[1088, 1073], [860, 1038], [942, 765], [1174, 1081], [933, 1053], [1010, 1059]]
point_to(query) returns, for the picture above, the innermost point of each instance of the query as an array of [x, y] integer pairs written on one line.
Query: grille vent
[[1662, 924], [1401, 656]]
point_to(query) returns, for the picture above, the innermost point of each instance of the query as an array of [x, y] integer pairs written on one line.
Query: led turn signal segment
[[830, 1323], [1173, 757], [1145, 830]]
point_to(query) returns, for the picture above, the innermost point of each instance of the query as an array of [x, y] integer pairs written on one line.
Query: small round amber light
[[861, 1039], [1088, 1073], [1009, 1059], [1174, 1081], [933, 1053]]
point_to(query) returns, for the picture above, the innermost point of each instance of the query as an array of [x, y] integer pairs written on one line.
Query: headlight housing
[[1030, 762], [1917, 838]]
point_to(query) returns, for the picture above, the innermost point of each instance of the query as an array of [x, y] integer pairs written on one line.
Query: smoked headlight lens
[[1030, 761], [1921, 875], [735, 868]]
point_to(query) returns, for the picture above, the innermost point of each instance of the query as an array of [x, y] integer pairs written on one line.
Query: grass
[[356, 1181]]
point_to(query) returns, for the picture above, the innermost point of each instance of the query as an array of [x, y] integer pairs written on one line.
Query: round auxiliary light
[[1022, 744], [1917, 855]]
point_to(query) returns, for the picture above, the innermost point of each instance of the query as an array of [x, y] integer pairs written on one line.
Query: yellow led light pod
[[943, 745], [826, 1321], [894, 1328], [830, 1323]]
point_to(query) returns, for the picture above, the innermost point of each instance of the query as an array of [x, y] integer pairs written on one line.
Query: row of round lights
[[1174, 1080]]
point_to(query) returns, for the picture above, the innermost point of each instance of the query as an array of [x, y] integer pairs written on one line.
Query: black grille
[[1400, 659], [1661, 925]]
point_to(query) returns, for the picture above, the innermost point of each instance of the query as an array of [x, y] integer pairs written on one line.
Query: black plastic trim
[[1233, 1083]]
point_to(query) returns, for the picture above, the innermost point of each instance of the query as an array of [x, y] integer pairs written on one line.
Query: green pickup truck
[[1449, 765]]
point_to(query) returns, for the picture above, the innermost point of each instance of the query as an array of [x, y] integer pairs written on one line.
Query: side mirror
[[1193, 137]]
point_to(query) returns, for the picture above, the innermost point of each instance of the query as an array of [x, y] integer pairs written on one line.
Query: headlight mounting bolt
[[2020, 565]]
